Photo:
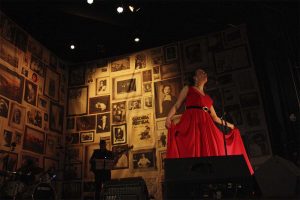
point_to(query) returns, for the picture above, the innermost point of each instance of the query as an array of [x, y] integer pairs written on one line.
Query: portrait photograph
[[76, 75], [166, 93], [156, 73], [87, 136], [148, 102], [147, 88], [9, 53], [162, 138], [258, 144], [74, 154], [73, 171], [90, 72], [119, 134], [9, 161], [134, 104], [119, 112], [162, 157], [140, 61], [52, 144], [144, 160], [169, 70], [170, 53], [70, 123], [52, 81], [7, 138], [118, 65], [42, 103], [34, 117], [250, 99], [147, 75], [72, 138], [156, 56], [4, 107], [122, 156], [127, 86], [37, 66], [17, 116], [51, 165], [30, 94], [99, 104], [102, 86], [103, 123], [84, 123], [34, 140], [195, 54], [56, 117], [77, 101], [11, 84]]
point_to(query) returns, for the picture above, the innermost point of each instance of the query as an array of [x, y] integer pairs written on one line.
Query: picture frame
[[119, 112], [51, 165], [72, 138], [4, 107], [9, 161], [103, 123], [74, 154], [52, 144], [122, 159], [7, 138], [169, 70], [34, 117], [162, 157], [37, 66], [77, 101], [56, 117], [160, 124], [13, 89], [140, 61], [29, 157], [147, 75], [88, 152], [156, 56], [144, 160], [195, 53], [102, 86], [9, 53], [73, 171], [43, 103], [17, 116], [120, 64], [156, 73], [148, 102], [84, 123], [52, 84], [134, 104], [34, 140], [70, 123], [30, 94], [87, 136], [127, 86], [99, 104], [147, 88], [76, 75], [170, 53], [119, 134], [162, 138]]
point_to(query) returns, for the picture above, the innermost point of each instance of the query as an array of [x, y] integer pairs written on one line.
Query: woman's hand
[[168, 122], [231, 126]]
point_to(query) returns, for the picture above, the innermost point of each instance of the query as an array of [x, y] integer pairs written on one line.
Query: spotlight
[[136, 39], [72, 46], [133, 8], [120, 9], [90, 1]]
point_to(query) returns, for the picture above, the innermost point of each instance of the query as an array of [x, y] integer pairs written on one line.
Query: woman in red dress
[[196, 134]]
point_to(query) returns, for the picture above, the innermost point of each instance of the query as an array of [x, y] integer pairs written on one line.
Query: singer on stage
[[196, 134]]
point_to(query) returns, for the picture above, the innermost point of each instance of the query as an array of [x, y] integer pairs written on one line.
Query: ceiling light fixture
[[133, 8], [72, 46], [137, 39], [120, 9], [90, 1]]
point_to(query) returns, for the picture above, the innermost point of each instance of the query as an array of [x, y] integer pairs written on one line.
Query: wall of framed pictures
[[32, 101]]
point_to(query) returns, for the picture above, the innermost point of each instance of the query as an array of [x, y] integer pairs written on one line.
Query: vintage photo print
[[72, 138], [102, 86], [127, 86], [156, 73], [17, 116], [76, 75], [140, 61], [74, 154], [52, 87], [119, 134], [122, 64], [162, 138], [89, 150], [52, 144], [103, 123], [122, 156], [9, 53], [169, 70], [56, 117], [162, 156], [148, 102], [147, 76], [99, 104], [7, 138], [85, 123], [87, 136], [34, 140], [42, 103], [134, 104], [34, 117], [30, 158], [37, 66], [77, 101], [144, 160], [4, 107], [147, 88], [9, 161], [170, 53], [119, 112], [30, 94]]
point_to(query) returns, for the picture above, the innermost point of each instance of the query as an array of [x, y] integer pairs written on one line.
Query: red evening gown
[[196, 135]]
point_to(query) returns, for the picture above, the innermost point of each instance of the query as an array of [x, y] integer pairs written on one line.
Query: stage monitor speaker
[[133, 188], [188, 178], [278, 177]]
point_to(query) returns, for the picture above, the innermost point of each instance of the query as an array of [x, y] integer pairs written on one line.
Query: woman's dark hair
[[190, 78]]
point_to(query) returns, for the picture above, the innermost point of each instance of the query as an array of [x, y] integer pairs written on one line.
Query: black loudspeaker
[[278, 177], [189, 178], [133, 188]]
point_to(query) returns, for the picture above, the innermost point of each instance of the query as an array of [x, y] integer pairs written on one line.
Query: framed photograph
[[160, 124], [156, 73], [30, 94], [99, 104], [147, 88], [43, 103], [87, 136], [144, 160], [70, 123], [148, 102], [119, 112], [71, 190], [77, 101], [7, 138], [119, 134], [195, 54], [118, 65], [169, 70], [134, 104], [140, 61], [253, 117], [9, 53], [103, 123], [170, 53], [162, 155], [34, 140], [18, 138], [162, 138], [52, 144], [9, 161], [12, 87], [258, 144], [229, 95], [52, 81], [56, 117], [17, 116], [234, 114], [231, 59], [122, 156], [76, 75], [90, 72], [72, 138], [34, 117], [51, 165], [4, 107], [166, 93], [147, 75], [127, 86], [30, 158], [89, 149], [102, 86], [85, 123], [74, 154], [234, 36], [37, 66], [249, 100], [73, 171]]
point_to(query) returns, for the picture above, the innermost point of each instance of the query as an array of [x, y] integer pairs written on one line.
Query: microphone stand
[[224, 126]]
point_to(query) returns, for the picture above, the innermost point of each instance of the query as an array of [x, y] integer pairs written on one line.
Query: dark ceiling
[[99, 32]]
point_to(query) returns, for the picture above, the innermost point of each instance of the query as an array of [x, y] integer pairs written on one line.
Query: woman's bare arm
[[218, 119]]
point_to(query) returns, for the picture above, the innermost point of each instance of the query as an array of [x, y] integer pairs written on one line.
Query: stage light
[[72, 46], [120, 9], [136, 39], [133, 8], [90, 1]]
